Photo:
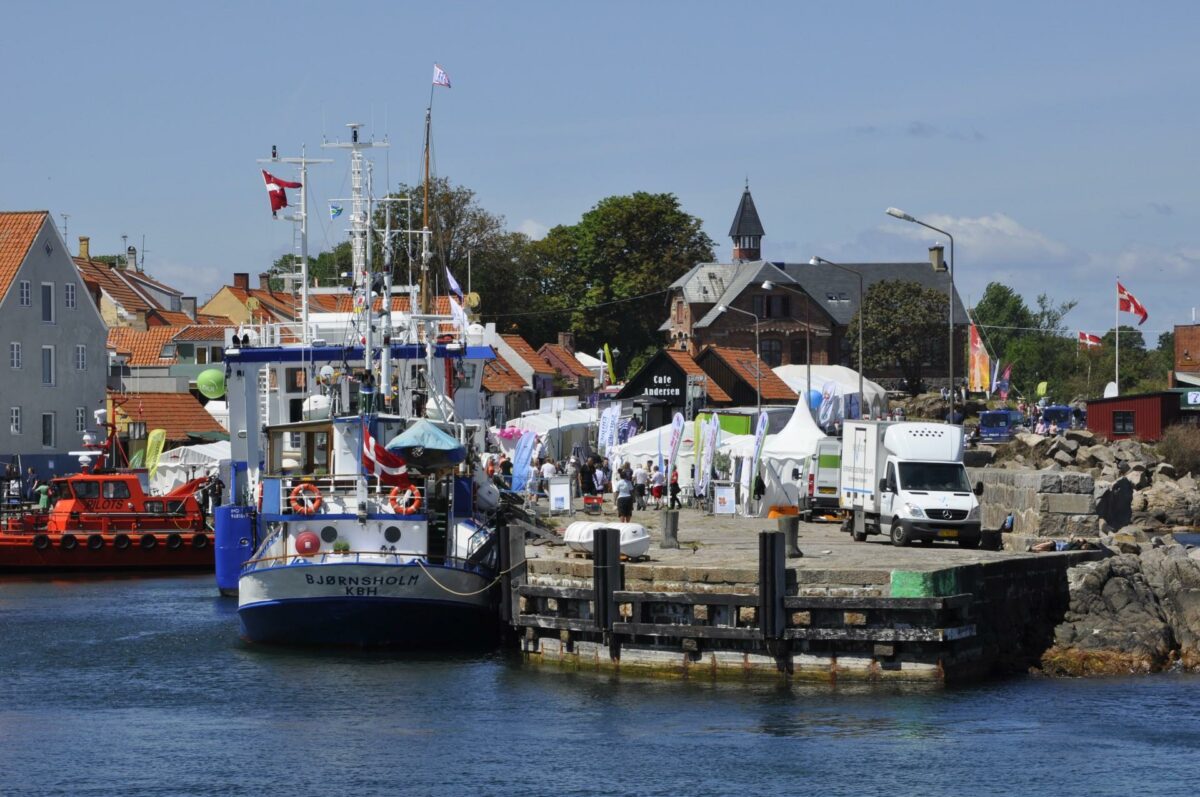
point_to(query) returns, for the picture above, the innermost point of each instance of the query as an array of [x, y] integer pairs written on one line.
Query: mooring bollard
[[790, 526], [670, 528], [607, 576], [772, 584]]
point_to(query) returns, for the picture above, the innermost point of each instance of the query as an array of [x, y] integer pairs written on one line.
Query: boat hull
[[54, 552], [367, 605]]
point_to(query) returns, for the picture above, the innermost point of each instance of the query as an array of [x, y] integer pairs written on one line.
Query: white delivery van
[[825, 474], [907, 480]]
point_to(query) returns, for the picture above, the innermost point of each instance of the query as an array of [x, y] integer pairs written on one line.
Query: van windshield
[[940, 477], [990, 421]]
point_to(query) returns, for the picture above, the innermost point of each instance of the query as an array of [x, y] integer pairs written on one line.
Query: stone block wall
[[1044, 503]]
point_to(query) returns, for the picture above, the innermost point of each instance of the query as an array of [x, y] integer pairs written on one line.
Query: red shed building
[[1144, 416]]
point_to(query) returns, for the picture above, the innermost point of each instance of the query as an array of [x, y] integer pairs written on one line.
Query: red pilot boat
[[105, 519]]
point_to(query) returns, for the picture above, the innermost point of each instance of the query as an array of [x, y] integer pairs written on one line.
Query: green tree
[[1045, 353], [1002, 317], [607, 273], [904, 326]]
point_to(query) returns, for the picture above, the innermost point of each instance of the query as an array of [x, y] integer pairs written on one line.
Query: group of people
[[642, 486], [27, 488]]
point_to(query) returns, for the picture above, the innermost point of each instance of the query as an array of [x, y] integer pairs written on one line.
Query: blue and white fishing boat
[[359, 517]]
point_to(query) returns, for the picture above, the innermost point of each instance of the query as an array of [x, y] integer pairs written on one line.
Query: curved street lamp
[[900, 214]]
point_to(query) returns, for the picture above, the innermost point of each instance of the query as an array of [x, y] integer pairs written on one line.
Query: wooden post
[[511, 541], [772, 583], [607, 575]]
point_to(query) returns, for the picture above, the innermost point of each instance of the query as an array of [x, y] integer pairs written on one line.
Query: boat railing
[[341, 490]]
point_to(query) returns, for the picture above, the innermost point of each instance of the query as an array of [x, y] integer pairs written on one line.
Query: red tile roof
[[142, 347], [742, 362], [558, 355], [203, 332], [499, 377], [110, 281], [17, 231], [526, 353], [688, 366], [178, 413]]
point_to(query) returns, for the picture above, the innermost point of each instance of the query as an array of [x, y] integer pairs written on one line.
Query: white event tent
[[846, 380], [644, 448], [573, 427], [188, 462]]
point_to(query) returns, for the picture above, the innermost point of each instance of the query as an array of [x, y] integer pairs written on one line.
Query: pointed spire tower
[[747, 230]]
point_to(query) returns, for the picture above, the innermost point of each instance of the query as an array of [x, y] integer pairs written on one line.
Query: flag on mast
[[453, 284], [1088, 340], [1126, 303], [440, 78], [378, 461], [275, 191]]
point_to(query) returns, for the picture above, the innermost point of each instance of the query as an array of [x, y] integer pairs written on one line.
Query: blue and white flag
[[335, 211], [760, 436], [453, 284]]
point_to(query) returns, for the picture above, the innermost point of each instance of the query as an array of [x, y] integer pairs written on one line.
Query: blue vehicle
[[999, 426], [1059, 414]]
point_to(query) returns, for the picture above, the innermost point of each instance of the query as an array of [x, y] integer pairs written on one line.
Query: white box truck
[[907, 480]]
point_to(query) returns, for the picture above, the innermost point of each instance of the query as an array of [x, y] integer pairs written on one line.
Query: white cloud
[[534, 229], [997, 239]]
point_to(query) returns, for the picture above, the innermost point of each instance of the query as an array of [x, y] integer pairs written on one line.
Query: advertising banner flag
[[979, 368]]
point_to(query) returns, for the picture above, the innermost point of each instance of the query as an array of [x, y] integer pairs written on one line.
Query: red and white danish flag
[[1088, 340], [1127, 304], [378, 461], [275, 191]]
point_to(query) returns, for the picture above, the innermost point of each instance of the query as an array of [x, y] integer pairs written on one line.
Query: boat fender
[[258, 497], [68, 542], [95, 542], [405, 501], [41, 541], [308, 543], [149, 541], [200, 541], [174, 541], [121, 542], [305, 499]]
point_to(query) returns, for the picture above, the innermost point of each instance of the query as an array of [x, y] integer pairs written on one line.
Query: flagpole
[[1117, 328]]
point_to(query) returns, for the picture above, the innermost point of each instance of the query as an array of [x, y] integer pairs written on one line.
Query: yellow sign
[[154, 447]]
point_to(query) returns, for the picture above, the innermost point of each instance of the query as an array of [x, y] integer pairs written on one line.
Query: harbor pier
[[730, 603]]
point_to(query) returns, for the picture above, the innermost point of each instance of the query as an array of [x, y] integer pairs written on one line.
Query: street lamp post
[[900, 214], [757, 351]]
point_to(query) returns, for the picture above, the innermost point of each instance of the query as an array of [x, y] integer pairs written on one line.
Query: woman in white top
[[623, 490]]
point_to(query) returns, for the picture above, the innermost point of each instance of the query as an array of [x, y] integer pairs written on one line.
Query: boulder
[[1029, 439], [1164, 470], [1166, 503], [1081, 436], [1101, 455], [1137, 477], [1063, 458], [1175, 579], [1114, 623]]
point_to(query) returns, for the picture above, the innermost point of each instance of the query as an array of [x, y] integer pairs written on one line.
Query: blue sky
[[1052, 140]]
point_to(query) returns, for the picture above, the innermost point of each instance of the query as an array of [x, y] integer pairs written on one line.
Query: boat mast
[[426, 254], [300, 218], [360, 225]]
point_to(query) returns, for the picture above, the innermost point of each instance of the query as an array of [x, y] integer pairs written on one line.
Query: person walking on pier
[[623, 491], [675, 489]]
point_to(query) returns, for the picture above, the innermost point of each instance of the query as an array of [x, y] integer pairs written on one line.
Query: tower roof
[[745, 221]]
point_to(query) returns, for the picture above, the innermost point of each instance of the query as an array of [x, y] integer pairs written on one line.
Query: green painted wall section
[[924, 584], [732, 424]]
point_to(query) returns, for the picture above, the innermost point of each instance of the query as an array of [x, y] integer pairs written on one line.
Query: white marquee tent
[[795, 376]]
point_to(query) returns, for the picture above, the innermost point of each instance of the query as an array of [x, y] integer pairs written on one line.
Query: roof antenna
[[65, 217]]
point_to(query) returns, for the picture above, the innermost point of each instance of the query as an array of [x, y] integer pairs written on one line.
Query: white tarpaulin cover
[[188, 462], [795, 376], [574, 426]]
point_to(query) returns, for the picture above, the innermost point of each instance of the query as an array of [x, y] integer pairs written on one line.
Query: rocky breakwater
[[1131, 612]]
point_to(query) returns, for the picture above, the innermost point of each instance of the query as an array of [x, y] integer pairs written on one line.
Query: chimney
[[264, 281], [567, 341], [241, 280], [84, 249], [131, 258], [188, 304]]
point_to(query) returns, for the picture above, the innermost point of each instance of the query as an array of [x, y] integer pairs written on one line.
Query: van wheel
[[859, 536], [899, 538]]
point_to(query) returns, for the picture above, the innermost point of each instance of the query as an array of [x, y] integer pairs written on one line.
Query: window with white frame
[[81, 419], [26, 293], [48, 430], [47, 365], [48, 302], [14, 355], [69, 295], [14, 420], [80, 357]]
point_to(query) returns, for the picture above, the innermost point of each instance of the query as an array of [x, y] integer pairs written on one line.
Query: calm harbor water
[[136, 686]]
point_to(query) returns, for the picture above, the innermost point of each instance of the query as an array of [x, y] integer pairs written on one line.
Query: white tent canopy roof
[[546, 422], [797, 440], [795, 376]]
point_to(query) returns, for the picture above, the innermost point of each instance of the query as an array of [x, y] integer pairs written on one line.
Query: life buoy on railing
[[305, 499], [405, 500]]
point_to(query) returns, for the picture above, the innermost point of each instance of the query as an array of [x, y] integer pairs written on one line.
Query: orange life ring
[[411, 500], [305, 499]]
